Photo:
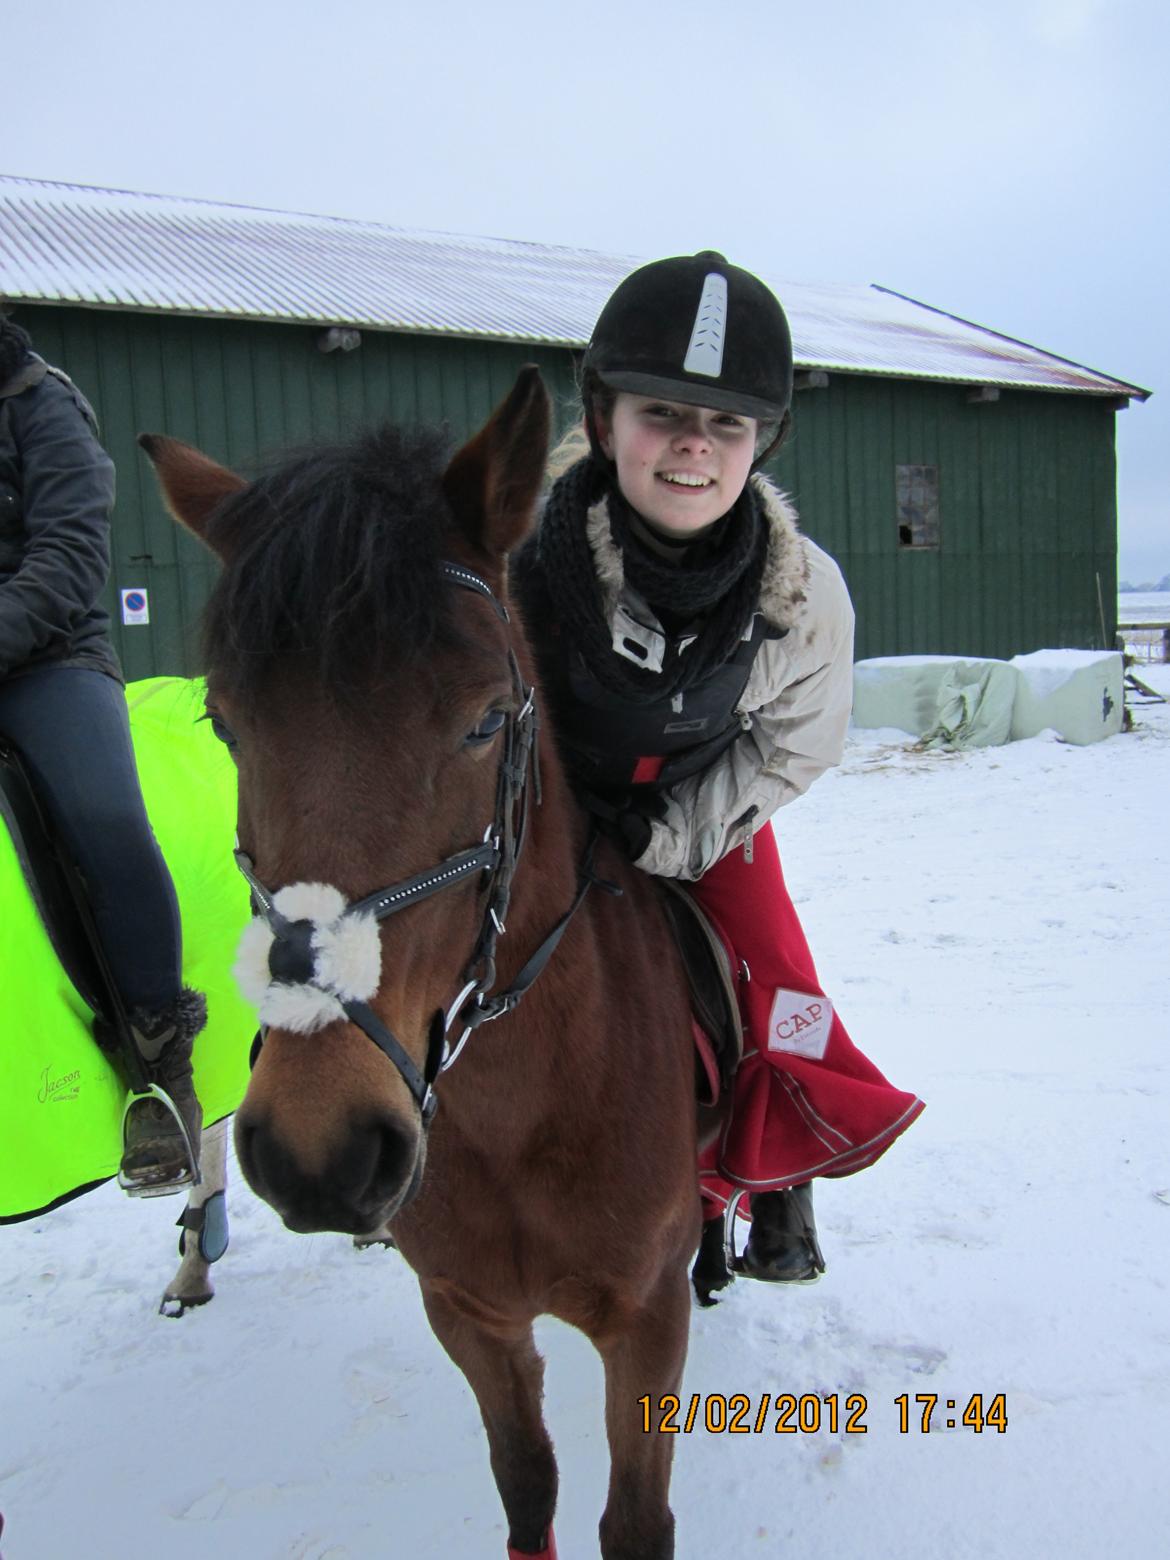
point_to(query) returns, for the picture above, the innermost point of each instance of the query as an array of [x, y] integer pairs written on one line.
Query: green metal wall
[[1027, 505], [241, 391], [1027, 483]]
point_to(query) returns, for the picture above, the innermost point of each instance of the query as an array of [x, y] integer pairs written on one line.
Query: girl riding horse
[[62, 705], [698, 654], [379, 696]]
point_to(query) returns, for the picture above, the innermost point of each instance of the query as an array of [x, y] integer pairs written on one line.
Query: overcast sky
[[1005, 160]]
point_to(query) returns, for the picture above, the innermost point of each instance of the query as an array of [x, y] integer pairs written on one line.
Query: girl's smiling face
[[681, 467]]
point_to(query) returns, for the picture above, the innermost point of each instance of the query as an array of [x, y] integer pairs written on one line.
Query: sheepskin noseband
[[326, 956]]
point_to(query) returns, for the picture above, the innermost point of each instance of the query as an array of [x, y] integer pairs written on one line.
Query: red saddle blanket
[[805, 1101]]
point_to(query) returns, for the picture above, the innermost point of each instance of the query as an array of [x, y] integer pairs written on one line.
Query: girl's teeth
[[682, 481]]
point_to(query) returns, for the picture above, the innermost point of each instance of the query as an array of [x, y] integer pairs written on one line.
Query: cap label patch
[[800, 1023], [705, 352]]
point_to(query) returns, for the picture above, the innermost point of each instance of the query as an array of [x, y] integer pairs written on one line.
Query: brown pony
[[369, 671]]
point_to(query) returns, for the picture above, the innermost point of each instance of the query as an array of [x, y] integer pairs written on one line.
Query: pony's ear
[[493, 482], [193, 485]]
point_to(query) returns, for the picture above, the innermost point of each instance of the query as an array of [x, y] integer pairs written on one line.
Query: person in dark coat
[[63, 707]]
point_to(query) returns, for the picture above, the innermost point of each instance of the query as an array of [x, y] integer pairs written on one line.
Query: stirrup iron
[[186, 1178]]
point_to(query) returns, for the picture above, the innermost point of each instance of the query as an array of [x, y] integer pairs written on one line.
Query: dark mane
[[337, 564]]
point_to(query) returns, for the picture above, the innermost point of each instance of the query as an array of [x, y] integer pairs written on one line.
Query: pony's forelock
[[332, 560]]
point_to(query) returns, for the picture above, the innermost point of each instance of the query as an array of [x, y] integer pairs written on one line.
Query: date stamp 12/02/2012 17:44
[[808, 1413]]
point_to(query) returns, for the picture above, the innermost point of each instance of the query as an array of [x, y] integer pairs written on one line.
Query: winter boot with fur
[[160, 1130], [782, 1247]]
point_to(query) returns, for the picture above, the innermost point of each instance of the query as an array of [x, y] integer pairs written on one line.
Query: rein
[[293, 958]]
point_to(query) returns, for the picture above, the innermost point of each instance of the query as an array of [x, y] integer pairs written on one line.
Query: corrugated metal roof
[[67, 243]]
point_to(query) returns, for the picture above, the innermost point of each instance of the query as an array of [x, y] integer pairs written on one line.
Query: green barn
[[964, 481]]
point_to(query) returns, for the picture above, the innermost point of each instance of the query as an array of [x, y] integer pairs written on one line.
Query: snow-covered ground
[[993, 925], [1140, 606]]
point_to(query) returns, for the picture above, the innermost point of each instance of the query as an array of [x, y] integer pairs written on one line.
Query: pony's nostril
[[376, 1161], [269, 1168], [395, 1163], [245, 1132]]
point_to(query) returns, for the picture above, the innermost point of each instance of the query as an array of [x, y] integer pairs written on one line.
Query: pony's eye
[[223, 731], [489, 726]]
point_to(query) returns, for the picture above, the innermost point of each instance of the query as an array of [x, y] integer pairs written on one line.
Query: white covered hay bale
[[1076, 693], [956, 700]]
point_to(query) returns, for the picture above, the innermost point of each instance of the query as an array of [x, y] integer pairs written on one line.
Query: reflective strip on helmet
[[705, 352]]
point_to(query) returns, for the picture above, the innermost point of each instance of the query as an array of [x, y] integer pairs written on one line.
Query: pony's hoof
[[707, 1286], [709, 1273], [179, 1305]]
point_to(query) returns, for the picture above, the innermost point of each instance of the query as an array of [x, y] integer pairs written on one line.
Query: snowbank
[[1078, 693], [960, 702], [938, 698]]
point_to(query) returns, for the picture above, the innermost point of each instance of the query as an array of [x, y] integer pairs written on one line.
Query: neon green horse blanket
[[60, 1097]]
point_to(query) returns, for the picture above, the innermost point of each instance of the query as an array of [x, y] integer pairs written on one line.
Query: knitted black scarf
[[716, 588]]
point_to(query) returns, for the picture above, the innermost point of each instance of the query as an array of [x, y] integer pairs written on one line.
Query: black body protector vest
[[613, 743]]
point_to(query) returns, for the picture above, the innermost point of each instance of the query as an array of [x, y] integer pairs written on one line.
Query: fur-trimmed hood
[[783, 589]]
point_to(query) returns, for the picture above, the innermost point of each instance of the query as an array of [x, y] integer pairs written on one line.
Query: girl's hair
[[574, 443], [572, 446]]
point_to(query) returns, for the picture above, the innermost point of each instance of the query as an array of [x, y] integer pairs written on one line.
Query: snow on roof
[[68, 243]]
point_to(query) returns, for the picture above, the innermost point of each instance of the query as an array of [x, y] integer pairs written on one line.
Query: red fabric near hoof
[[549, 1552], [793, 1117]]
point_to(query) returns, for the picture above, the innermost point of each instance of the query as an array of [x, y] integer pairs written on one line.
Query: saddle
[[709, 963]]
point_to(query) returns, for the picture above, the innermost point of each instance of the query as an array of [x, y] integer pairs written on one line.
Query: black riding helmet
[[698, 330]]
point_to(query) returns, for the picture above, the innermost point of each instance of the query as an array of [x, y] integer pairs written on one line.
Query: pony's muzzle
[[361, 1181]]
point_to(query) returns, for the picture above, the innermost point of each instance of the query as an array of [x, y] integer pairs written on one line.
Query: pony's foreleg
[[711, 1272], [643, 1370], [507, 1376], [192, 1284]]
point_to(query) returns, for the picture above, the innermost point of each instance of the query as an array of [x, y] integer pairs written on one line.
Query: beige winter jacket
[[795, 707]]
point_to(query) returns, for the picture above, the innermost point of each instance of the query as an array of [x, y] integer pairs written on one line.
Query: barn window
[[917, 492]]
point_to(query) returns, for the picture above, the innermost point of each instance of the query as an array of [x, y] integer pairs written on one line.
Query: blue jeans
[[72, 729]]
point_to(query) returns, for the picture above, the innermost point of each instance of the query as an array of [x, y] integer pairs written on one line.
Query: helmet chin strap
[[590, 420], [777, 440], [600, 458]]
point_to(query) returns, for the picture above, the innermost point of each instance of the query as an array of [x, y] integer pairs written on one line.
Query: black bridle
[[292, 960]]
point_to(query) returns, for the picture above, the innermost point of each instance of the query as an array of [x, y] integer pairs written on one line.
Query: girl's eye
[[489, 726]]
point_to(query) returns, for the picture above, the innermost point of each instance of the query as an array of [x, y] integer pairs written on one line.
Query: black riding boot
[[782, 1247], [160, 1154]]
